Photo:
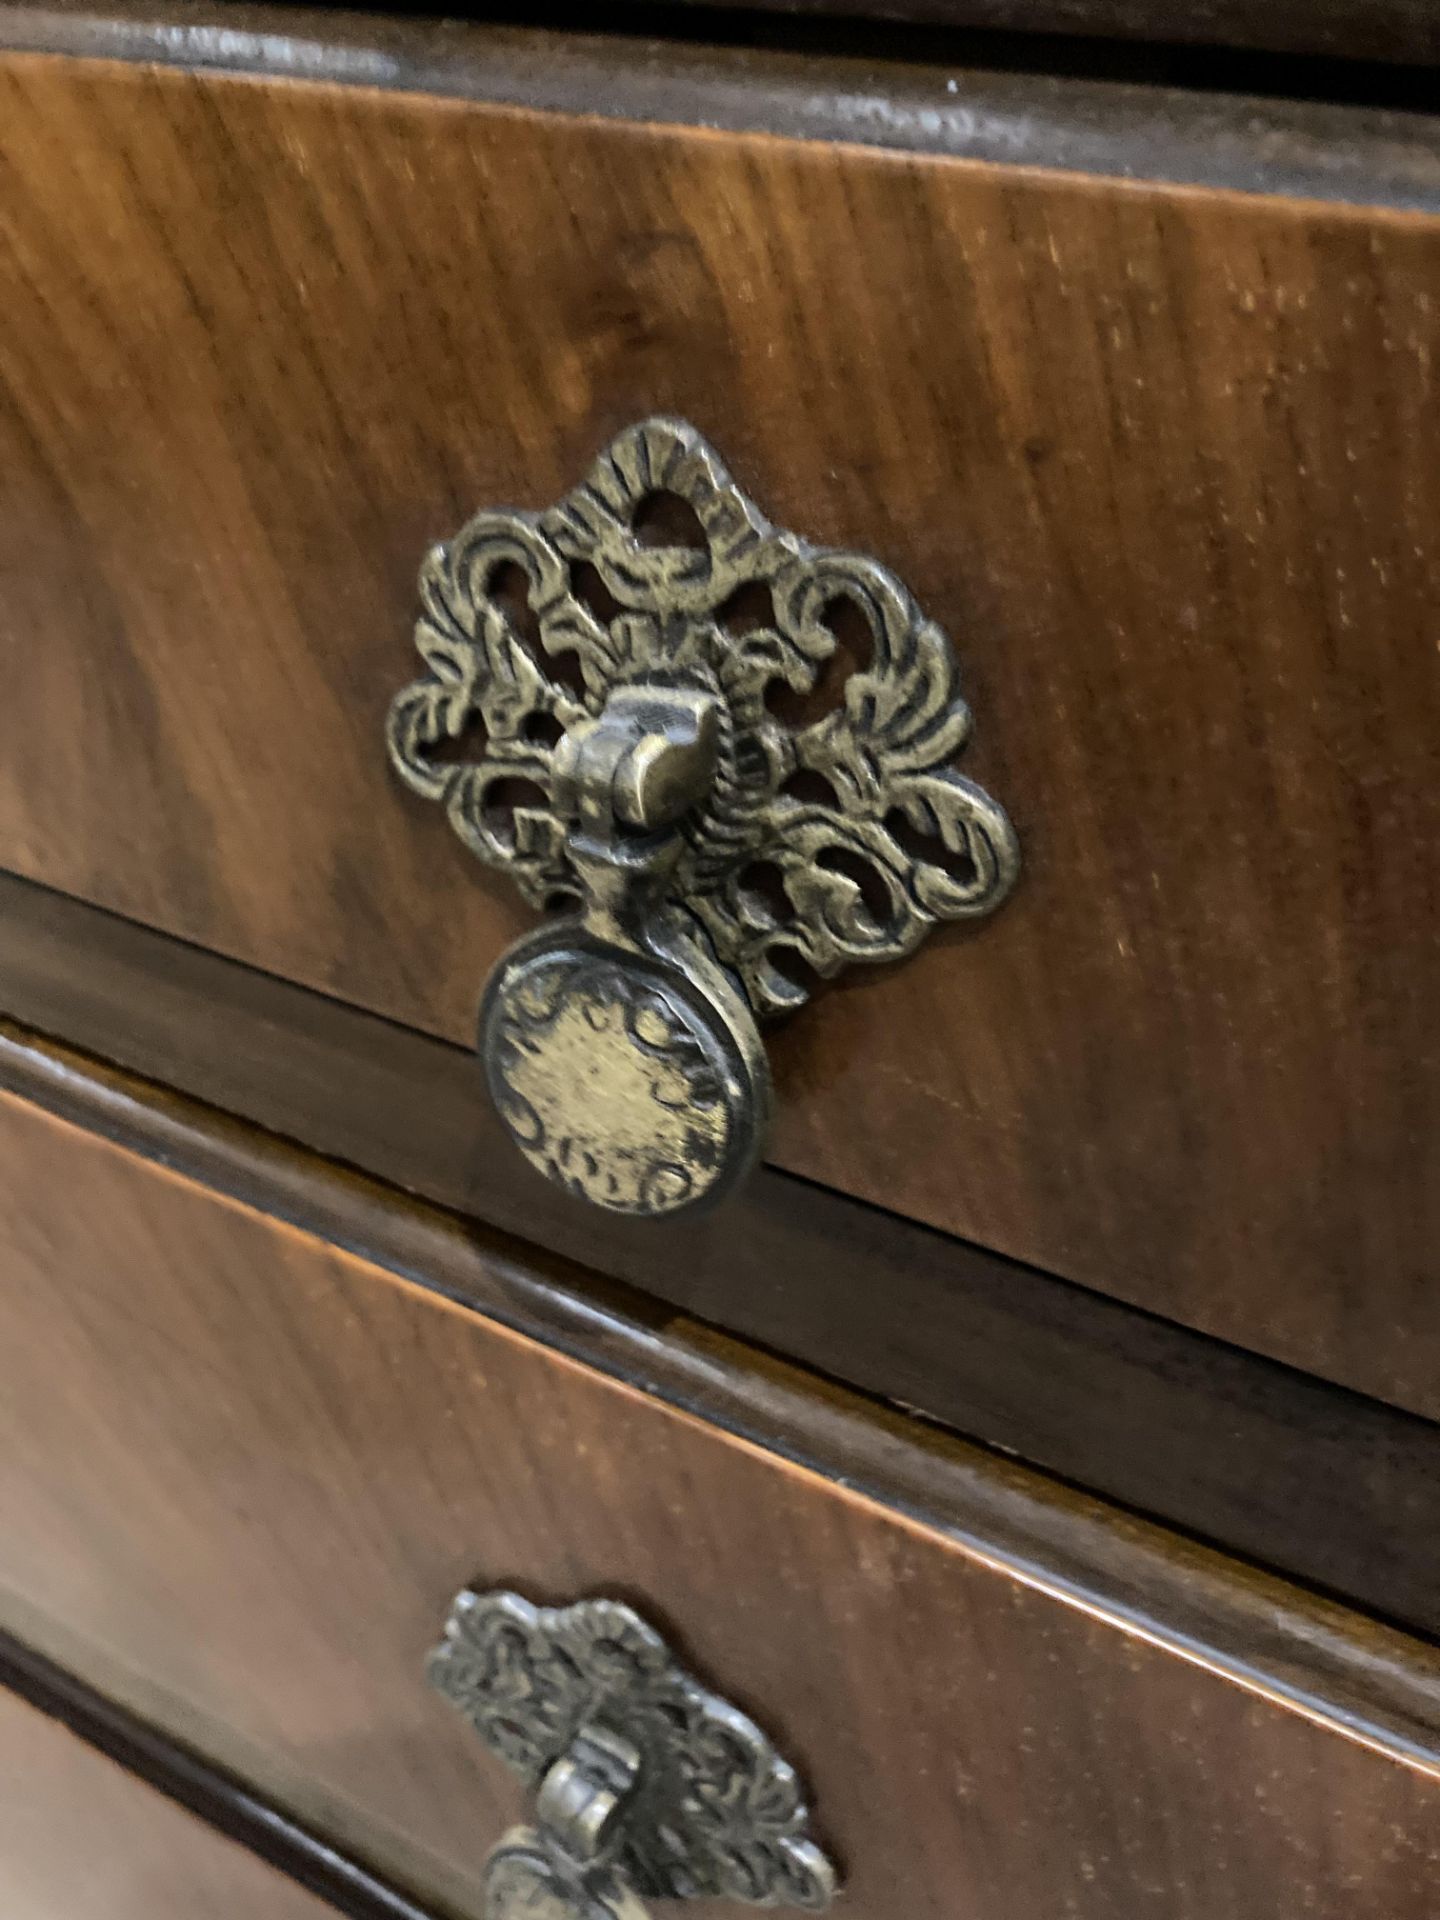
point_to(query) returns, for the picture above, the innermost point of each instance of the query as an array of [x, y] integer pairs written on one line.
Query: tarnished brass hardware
[[710, 856], [646, 1784]]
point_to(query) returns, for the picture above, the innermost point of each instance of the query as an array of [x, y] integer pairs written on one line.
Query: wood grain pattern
[[1284, 1469], [1150, 453], [82, 1839], [243, 1473]]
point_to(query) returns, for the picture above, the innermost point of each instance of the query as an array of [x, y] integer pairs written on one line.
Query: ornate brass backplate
[[625, 762], [647, 1785]]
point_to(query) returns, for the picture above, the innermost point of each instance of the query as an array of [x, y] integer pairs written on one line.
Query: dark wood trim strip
[[1297, 1650], [1355, 154], [1324, 30], [1309, 1479], [215, 1797]]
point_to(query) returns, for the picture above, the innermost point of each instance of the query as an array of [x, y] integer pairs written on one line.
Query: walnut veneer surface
[[1152, 453]]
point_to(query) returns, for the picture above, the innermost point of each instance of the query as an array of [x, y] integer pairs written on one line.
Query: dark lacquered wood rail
[[1405, 31]]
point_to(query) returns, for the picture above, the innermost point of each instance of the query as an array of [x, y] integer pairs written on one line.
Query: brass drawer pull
[[646, 1785], [619, 672]]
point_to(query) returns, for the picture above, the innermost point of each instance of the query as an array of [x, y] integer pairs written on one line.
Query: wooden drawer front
[[82, 1839], [1154, 456], [243, 1473]]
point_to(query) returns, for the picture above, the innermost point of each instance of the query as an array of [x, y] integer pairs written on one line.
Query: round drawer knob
[[621, 1078]]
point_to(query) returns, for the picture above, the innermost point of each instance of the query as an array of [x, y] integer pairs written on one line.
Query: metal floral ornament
[[715, 859], [646, 1783]]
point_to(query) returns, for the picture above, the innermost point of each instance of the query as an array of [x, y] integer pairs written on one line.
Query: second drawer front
[[243, 1474]]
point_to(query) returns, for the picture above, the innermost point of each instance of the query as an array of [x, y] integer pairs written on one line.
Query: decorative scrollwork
[[716, 1811], [868, 835]]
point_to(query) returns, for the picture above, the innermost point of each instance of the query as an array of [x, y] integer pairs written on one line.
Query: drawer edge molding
[[1357, 155], [1155, 1417], [219, 1799], [1297, 1650]]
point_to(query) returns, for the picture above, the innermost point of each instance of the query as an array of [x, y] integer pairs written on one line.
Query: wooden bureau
[[1038, 1445]]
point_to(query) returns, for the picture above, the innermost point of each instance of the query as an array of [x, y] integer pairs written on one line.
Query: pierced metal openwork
[[647, 1785], [607, 714]]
